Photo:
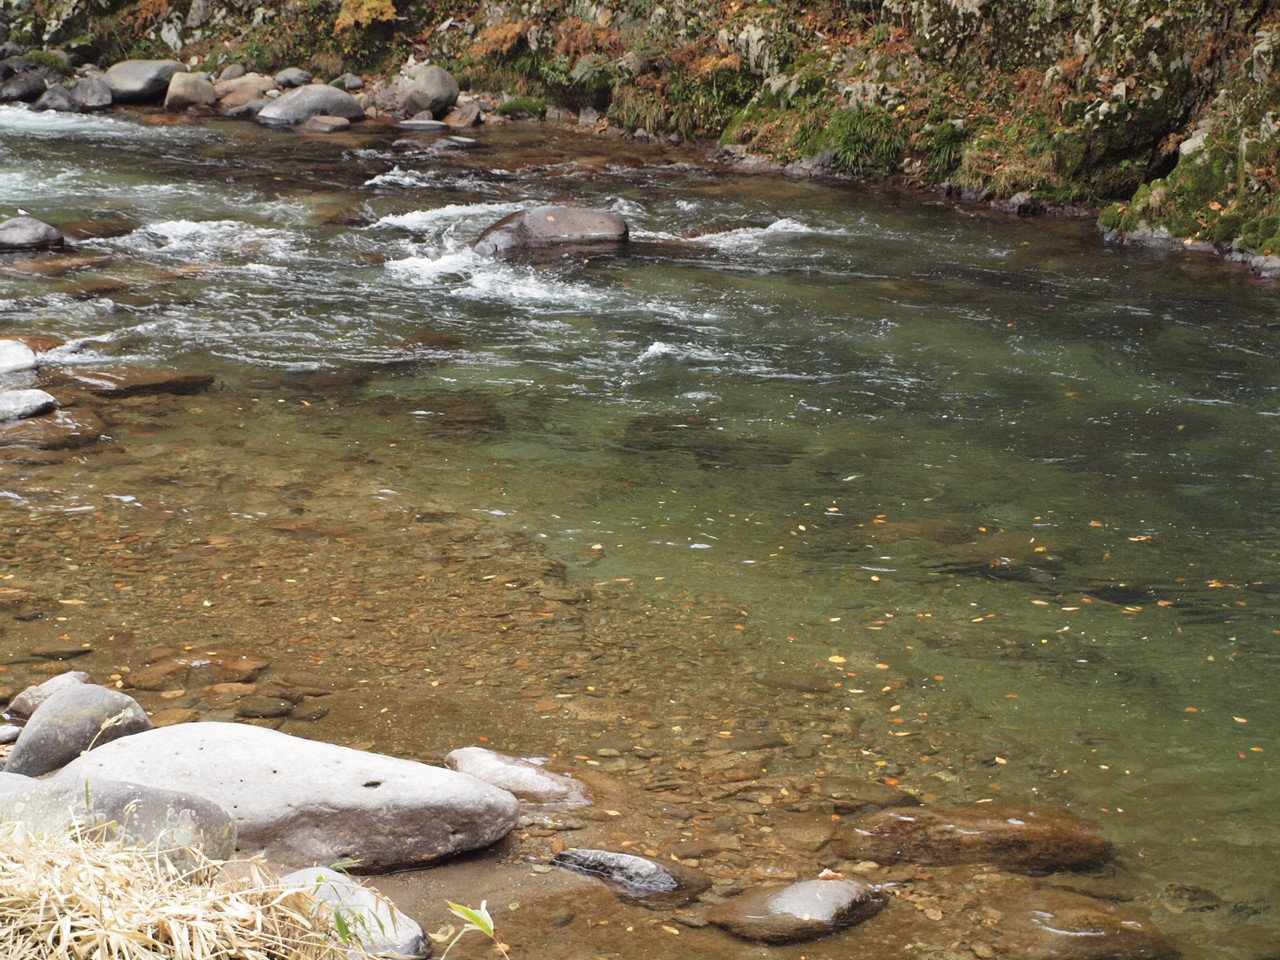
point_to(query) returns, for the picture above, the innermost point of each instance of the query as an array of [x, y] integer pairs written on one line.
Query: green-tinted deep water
[[1009, 488]]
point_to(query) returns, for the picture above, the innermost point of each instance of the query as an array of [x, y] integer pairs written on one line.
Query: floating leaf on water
[[837, 659]]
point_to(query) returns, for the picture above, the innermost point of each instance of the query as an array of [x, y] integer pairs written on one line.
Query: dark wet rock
[[16, 357], [247, 111], [291, 77], [59, 430], [99, 228], [91, 93], [313, 100], [61, 651], [22, 88], [263, 707], [169, 821], [57, 99], [28, 233], [1016, 836], [189, 90], [72, 720], [303, 803], [1046, 923], [140, 81], [540, 227], [637, 878], [531, 784], [429, 89], [376, 927], [801, 911], [20, 404], [25, 703], [323, 124], [463, 115], [169, 670], [141, 383], [851, 795]]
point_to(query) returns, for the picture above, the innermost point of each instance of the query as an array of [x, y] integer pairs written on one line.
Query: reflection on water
[[1026, 472]]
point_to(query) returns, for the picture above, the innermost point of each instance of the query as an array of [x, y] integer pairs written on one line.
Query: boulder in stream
[[303, 803], [533, 786], [1015, 836], [189, 90], [16, 357], [801, 911], [28, 233], [551, 226], [20, 404], [72, 721], [637, 878], [313, 100], [141, 81], [430, 89]]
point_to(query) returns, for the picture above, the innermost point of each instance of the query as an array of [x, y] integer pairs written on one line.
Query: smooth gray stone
[[22, 88], [636, 878], [140, 81], [168, 821], [532, 785], [539, 227], [232, 72], [16, 357], [92, 93], [313, 100], [57, 99], [25, 703], [189, 90], [801, 911], [430, 89], [20, 404], [28, 233], [9, 733], [292, 77], [12, 784], [376, 925], [73, 720], [304, 803]]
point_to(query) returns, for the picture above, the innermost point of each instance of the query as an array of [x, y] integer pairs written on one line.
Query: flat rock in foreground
[[303, 803], [550, 226]]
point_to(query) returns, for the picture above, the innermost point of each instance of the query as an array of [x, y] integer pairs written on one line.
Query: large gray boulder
[[28, 233], [304, 803], [20, 404], [375, 926], [313, 100], [58, 99], [241, 90], [540, 227], [141, 81], [168, 821], [74, 719], [91, 93], [189, 90], [429, 88], [22, 88], [535, 787]]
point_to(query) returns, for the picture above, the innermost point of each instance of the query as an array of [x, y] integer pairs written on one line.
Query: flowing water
[[1007, 489]]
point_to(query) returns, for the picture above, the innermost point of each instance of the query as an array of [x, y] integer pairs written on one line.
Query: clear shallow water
[[1029, 473]]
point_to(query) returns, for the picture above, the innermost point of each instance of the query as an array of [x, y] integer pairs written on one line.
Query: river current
[[1025, 476]]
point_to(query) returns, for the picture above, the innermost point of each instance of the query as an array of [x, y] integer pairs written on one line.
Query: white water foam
[[751, 238], [221, 237], [429, 220]]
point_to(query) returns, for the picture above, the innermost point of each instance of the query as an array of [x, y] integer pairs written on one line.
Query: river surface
[[1008, 489]]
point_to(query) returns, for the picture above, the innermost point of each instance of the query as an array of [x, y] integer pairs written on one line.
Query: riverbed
[[814, 485]]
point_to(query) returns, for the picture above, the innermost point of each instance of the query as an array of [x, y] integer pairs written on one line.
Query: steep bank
[[1043, 102]]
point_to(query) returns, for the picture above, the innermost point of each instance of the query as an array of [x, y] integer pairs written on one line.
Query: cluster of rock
[[422, 96], [44, 406], [88, 757]]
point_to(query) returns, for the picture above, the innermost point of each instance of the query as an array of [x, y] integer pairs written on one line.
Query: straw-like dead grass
[[65, 898]]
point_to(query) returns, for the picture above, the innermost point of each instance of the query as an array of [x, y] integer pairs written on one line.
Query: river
[[1007, 489]]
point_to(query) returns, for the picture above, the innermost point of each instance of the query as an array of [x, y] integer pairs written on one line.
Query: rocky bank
[[1161, 109]]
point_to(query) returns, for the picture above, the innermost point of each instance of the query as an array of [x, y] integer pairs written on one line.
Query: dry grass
[[83, 899]]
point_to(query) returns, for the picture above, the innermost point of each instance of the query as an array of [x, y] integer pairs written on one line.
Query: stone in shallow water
[[25, 703], [802, 911], [304, 803], [532, 785], [20, 404], [140, 383], [1015, 836], [75, 719], [637, 878], [59, 430], [376, 927], [28, 233], [137, 81], [316, 99], [546, 226]]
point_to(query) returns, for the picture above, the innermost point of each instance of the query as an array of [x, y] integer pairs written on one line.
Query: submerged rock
[[141, 383], [802, 911], [58, 430], [140, 81], [1013, 835], [313, 100], [637, 878], [28, 233], [376, 927], [72, 721], [304, 803], [531, 784], [551, 225]]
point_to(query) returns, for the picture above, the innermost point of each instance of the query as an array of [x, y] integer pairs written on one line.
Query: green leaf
[[479, 919]]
